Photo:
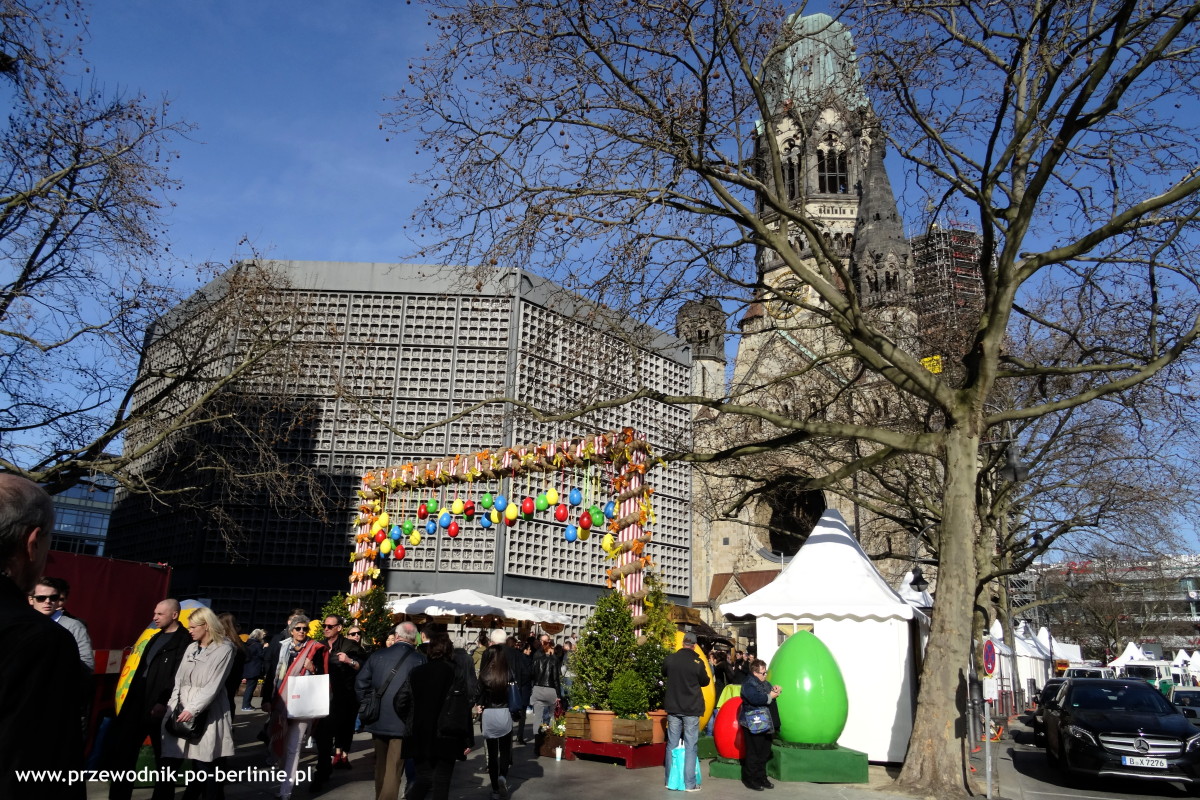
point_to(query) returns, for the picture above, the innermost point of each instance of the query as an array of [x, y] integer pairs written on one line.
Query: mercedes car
[[1122, 728]]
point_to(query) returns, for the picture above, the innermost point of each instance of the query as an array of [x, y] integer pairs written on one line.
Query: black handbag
[[454, 720], [369, 707], [191, 731], [515, 702]]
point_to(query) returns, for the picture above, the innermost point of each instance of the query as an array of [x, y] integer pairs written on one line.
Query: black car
[[1047, 692], [1122, 728]]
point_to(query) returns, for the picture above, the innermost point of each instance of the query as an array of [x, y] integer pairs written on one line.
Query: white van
[[1090, 672]]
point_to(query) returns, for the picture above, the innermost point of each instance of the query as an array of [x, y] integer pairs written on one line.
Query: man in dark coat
[[684, 703], [335, 733], [389, 730], [40, 672], [145, 703]]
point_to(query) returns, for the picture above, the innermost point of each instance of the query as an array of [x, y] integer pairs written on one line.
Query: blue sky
[[286, 99]]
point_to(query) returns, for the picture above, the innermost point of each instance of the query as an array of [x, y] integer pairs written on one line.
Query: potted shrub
[[605, 648], [630, 702], [659, 643]]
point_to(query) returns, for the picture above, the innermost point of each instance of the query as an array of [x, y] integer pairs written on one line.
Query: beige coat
[[200, 685]]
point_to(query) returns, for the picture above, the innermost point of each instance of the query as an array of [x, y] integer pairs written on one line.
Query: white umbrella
[[470, 603]]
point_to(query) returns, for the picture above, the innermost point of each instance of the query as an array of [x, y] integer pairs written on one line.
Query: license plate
[[1142, 761]]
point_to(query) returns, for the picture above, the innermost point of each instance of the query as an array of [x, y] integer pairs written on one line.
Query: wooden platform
[[634, 756]]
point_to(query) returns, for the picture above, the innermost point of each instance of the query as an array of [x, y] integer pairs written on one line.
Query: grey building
[[399, 348]]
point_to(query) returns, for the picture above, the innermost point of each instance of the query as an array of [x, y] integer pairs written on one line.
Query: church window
[[832, 175], [790, 176]]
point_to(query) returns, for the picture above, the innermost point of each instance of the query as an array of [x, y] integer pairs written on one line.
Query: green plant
[[605, 648], [647, 663], [375, 619], [627, 695], [335, 606], [658, 627]]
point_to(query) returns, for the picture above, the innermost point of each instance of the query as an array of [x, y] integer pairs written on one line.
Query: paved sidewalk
[[534, 778]]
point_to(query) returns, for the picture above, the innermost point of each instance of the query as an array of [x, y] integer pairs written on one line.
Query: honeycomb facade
[[400, 348]]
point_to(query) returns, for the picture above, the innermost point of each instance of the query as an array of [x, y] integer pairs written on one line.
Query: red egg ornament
[[398, 552], [585, 521], [527, 505], [727, 734], [452, 529], [422, 511], [561, 512], [379, 537], [469, 509]]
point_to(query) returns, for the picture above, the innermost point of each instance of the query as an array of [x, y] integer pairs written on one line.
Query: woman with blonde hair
[[197, 724], [298, 655]]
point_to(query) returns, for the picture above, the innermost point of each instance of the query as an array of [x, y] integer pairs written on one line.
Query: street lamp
[[918, 582]]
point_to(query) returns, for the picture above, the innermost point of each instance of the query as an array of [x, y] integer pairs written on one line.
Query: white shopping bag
[[307, 696]]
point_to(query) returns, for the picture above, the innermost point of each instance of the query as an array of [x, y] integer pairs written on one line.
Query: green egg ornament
[[432, 505], [486, 500], [597, 516], [408, 527], [541, 503], [812, 704]]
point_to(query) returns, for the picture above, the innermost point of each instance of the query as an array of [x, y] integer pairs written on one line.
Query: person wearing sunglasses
[[49, 597], [335, 733], [299, 655]]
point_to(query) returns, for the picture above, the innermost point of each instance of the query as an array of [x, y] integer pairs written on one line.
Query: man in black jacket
[[40, 672], [684, 703], [145, 703], [389, 730], [335, 733]]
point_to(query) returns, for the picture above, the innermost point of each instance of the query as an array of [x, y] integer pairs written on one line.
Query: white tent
[[1027, 661], [470, 603], [832, 585], [1133, 652], [1059, 650]]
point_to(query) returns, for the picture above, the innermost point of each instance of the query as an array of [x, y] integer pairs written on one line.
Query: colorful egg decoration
[[408, 526], [812, 704], [395, 532], [727, 733], [385, 546], [495, 516], [561, 512], [607, 543], [584, 533], [551, 497], [575, 497], [585, 520], [380, 536], [528, 505], [570, 533], [431, 527], [510, 512], [452, 529], [486, 501], [486, 520], [540, 502], [399, 554], [445, 519], [414, 538], [610, 509], [469, 509], [383, 520], [597, 515], [456, 508], [500, 503], [422, 511], [432, 505]]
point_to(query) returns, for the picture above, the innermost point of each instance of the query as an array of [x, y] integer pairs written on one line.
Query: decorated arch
[[604, 489]]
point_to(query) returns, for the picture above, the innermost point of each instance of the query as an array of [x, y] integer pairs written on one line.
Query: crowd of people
[[419, 697]]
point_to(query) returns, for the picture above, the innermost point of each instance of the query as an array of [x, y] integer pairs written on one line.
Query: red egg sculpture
[[469, 509], [585, 521], [452, 529], [561, 512], [527, 505], [398, 552], [379, 537], [727, 734], [422, 511]]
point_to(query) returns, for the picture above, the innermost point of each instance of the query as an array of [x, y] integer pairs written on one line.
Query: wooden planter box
[[633, 731], [577, 724]]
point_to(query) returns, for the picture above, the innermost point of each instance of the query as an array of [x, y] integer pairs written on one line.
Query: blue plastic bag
[[676, 781]]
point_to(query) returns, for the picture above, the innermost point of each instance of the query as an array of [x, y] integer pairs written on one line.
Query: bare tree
[[638, 154], [88, 282]]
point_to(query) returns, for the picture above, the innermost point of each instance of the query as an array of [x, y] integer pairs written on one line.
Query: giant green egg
[[812, 704]]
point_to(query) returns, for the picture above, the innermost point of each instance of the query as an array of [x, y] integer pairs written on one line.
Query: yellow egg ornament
[[607, 543], [494, 516], [584, 534], [414, 538], [383, 520], [552, 496], [511, 511], [456, 508]]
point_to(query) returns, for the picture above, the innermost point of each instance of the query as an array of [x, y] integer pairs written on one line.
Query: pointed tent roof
[[830, 577], [1071, 652], [1132, 652]]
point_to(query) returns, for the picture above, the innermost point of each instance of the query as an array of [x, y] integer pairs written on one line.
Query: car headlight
[[1082, 733], [1193, 744]]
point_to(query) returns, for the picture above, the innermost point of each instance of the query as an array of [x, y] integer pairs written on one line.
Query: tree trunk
[[936, 764]]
